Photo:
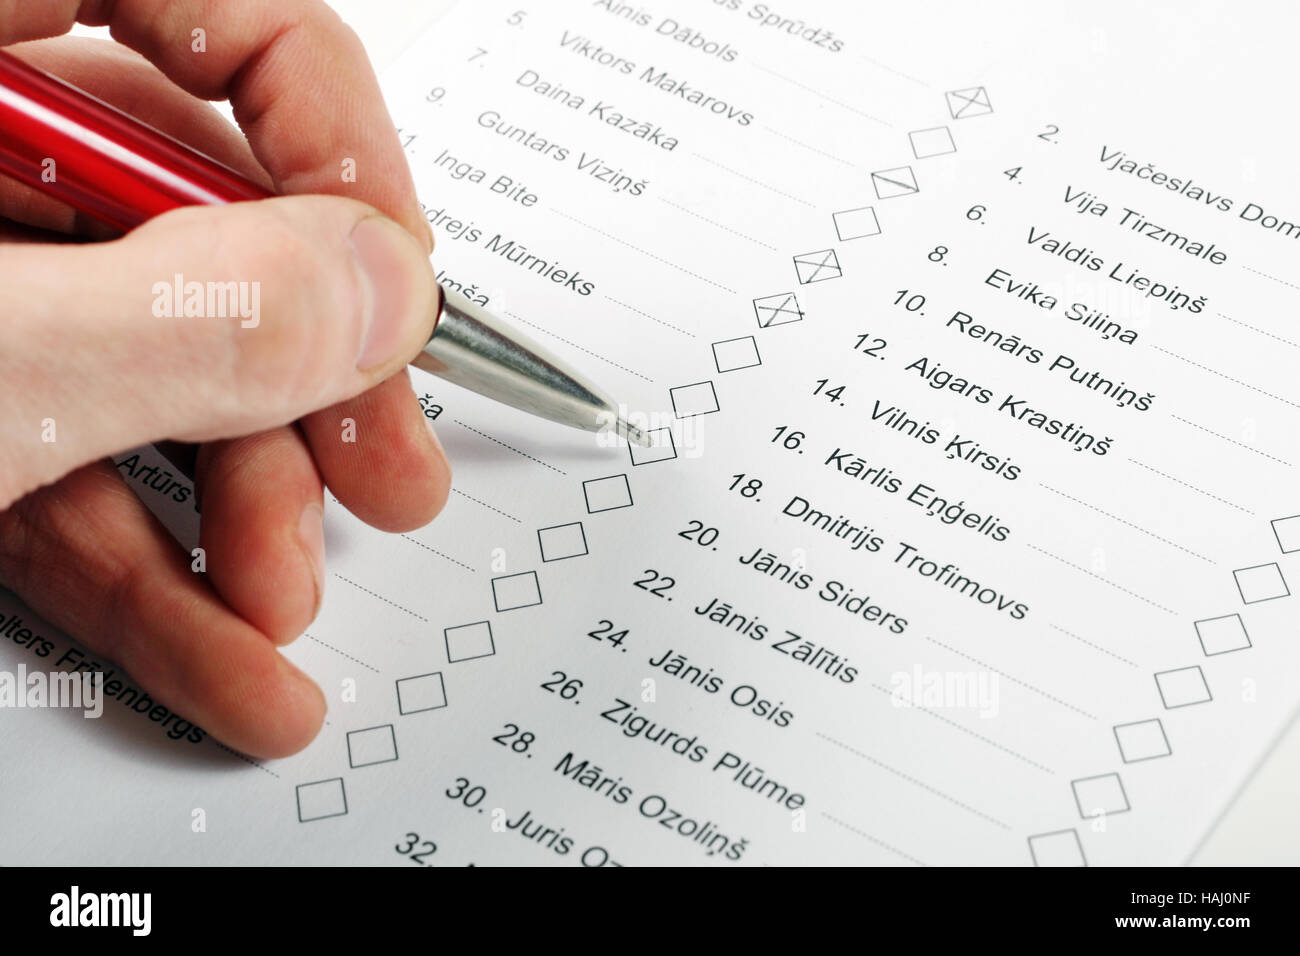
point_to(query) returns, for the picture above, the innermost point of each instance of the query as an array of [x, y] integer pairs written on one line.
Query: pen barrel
[[106, 164]]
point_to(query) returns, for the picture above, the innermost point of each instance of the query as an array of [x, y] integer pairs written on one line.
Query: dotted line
[[632, 308], [1213, 371], [579, 347], [1172, 544], [1274, 278], [751, 179], [910, 779], [437, 552], [486, 505], [1232, 441], [381, 597], [511, 447], [1095, 646], [645, 252], [829, 99], [1294, 345], [906, 76], [966, 730], [713, 222], [355, 660], [877, 841], [1093, 574], [247, 759], [1193, 487], [1014, 680], [819, 152]]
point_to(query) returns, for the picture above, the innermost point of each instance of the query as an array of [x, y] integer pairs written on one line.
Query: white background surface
[[1259, 828]]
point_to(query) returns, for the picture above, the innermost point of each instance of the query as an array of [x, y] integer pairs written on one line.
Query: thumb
[[205, 323]]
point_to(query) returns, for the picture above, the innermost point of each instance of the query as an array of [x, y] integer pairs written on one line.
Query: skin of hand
[[347, 297]]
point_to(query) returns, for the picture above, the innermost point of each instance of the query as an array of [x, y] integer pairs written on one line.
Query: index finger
[[296, 75]]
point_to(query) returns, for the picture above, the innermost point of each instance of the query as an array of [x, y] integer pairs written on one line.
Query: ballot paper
[[966, 338]]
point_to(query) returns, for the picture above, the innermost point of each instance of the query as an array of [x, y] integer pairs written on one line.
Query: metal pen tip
[[633, 434]]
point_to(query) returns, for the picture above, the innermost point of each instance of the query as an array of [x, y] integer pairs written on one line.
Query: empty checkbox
[[321, 799], [931, 142], [562, 541], [1263, 582], [466, 642], [1183, 687], [661, 448], [371, 746], [420, 693], [734, 354], [1219, 635], [856, 223], [606, 494], [512, 591], [1059, 848], [691, 400], [1287, 532], [1142, 740], [1100, 796]]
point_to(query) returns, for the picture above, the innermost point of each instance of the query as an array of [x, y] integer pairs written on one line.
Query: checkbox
[[1219, 635], [562, 541], [513, 591], [932, 142], [1263, 582], [856, 223], [891, 183], [1059, 848], [661, 448], [371, 746], [817, 266], [606, 494], [972, 101], [466, 642], [1100, 796], [734, 354], [1287, 532], [321, 799], [780, 309], [423, 692], [691, 400], [1142, 740], [1183, 687]]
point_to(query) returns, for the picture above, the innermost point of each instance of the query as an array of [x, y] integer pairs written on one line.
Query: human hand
[[346, 299]]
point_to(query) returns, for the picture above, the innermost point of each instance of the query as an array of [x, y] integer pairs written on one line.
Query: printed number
[[699, 534], [605, 632], [406, 138], [435, 95], [1049, 133], [1013, 173], [831, 393], [937, 253], [975, 213], [516, 19], [412, 841], [912, 303], [481, 52], [788, 439], [467, 794], [749, 489], [870, 345], [523, 739], [562, 684], [662, 582]]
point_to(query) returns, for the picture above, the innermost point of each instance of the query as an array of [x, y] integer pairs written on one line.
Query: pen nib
[[634, 435]]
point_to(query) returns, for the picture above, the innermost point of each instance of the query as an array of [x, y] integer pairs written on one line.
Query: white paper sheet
[[1034, 263]]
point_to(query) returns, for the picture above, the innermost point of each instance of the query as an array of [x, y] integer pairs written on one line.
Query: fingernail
[[429, 240], [311, 536], [397, 289]]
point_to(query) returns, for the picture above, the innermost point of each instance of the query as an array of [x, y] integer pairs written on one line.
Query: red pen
[[119, 171]]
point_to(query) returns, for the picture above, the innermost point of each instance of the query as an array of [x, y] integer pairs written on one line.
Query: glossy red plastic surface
[[98, 159]]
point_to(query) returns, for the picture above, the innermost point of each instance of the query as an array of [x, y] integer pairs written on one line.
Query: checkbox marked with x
[[817, 266], [779, 309]]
